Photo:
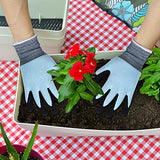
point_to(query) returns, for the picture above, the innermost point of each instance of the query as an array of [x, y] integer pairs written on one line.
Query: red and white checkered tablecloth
[[89, 26]]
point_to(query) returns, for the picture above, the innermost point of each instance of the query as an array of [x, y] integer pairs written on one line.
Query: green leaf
[[59, 72], [152, 60], [67, 88], [61, 98], [10, 148], [158, 66], [92, 85], [59, 79], [59, 65], [152, 92], [150, 68], [145, 75], [63, 72], [81, 88], [91, 49], [156, 51], [144, 89], [3, 157], [31, 142], [70, 64], [151, 75], [155, 86], [62, 63], [86, 96], [154, 78], [53, 72], [73, 100], [157, 97]]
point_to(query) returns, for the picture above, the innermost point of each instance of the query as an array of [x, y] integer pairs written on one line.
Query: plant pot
[[48, 130], [20, 148], [50, 38]]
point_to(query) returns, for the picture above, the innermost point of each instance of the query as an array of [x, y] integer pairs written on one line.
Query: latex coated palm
[[34, 64], [122, 81], [36, 79], [125, 72]]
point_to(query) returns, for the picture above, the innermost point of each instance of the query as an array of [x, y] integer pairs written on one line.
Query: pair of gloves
[[125, 72]]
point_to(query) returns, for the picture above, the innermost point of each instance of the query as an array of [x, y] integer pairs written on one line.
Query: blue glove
[[125, 72], [34, 64]]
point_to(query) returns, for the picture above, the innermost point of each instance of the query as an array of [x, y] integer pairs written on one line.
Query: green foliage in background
[[151, 75]]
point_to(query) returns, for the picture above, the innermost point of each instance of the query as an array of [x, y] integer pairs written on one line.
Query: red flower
[[73, 51], [91, 62], [78, 70]]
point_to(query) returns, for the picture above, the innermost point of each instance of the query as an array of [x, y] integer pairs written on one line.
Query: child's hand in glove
[[125, 72], [34, 64]]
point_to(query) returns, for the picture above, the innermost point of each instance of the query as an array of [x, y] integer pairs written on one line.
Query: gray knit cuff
[[135, 55], [28, 50]]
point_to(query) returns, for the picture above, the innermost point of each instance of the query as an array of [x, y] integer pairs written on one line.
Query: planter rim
[[20, 148]]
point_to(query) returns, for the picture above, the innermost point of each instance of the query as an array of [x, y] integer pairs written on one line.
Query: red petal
[[78, 65], [89, 58], [91, 55], [93, 63], [67, 56], [72, 72], [92, 70], [85, 69], [78, 77], [75, 71], [74, 50]]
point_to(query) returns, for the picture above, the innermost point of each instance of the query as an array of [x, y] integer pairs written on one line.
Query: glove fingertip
[[98, 96], [49, 102], [125, 107], [125, 112], [37, 98], [27, 93], [38, 104], [54, 91], [110, 113], [29, 104], [100, 109], [99, 71], [54, 110]]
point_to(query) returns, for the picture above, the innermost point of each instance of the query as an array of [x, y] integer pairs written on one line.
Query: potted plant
[[151, 75], [82, 119], [18, 152], [75, 76]]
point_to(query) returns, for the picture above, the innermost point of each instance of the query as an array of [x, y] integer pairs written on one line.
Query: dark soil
[[20, 156], [144, 113]]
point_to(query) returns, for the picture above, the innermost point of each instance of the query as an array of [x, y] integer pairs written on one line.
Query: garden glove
[[125, 72], [34, 64]]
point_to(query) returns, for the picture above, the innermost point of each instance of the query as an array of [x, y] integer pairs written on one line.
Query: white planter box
[[46, 130], [50, 40]]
